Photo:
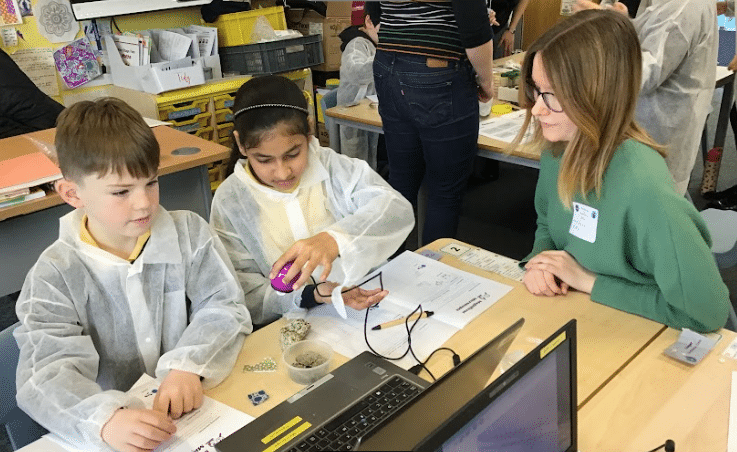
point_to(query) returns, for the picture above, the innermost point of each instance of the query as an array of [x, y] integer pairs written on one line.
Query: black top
[[23, 107]]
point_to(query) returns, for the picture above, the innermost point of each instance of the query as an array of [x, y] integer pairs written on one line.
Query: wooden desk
[[27, 229], [608, 340], [657, 398]]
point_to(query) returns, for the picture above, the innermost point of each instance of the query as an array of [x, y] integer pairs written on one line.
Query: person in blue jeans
[[425, 71]]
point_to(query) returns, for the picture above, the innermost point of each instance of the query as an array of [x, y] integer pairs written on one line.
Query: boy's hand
[[356, 298], [180, 393], [307, 254], [133, 430]]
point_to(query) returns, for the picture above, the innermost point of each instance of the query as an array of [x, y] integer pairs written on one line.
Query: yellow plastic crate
[[224, 130], [190, 125], [224, 101], [181, 110], [225, 115], [226, 141], [206, 133], [235, 29]]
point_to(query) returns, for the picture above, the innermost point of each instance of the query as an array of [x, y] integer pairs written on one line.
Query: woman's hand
[[507, 42], [307, 254], [565, 268], [540, 282], [356, 298]]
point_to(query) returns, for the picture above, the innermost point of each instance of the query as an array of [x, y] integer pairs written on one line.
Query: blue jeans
[[431, 126]]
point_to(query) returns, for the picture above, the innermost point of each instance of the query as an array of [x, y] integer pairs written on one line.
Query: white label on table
[[584, 222], [495, 263], [454, 249]]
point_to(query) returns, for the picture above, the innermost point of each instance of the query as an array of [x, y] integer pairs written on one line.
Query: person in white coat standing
[[679, 55], [357, 82]]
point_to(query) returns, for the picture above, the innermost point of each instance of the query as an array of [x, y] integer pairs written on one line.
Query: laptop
[[341, 409], [531, 407]]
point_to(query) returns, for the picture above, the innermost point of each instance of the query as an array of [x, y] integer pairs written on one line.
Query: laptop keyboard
[[343, 432]]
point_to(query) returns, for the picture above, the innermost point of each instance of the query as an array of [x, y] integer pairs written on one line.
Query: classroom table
[[28, 228], [608, 339], [657, 398], [630, 396]]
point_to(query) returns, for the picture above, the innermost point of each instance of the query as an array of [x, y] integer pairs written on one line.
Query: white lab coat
[[679, 49], [356, 82], [93, 323], [372, 221]]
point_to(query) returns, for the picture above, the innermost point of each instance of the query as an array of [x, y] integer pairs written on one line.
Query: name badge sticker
[[584, 222]]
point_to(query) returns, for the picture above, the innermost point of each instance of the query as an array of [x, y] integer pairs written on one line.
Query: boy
[[127, 288]]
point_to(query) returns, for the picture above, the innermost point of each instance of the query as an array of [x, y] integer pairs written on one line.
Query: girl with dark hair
[[290, 200]]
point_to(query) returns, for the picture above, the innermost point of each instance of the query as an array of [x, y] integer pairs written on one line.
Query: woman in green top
[[610, 222]]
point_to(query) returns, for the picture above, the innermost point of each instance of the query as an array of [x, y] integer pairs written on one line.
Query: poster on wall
[[38, 64], [10, 13], [55, 20]]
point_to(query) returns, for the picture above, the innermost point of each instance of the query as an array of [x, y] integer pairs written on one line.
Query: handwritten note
[[38, 64]]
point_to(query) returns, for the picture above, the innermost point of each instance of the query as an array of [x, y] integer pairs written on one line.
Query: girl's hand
[[356, 298], [540, 282], [180, 393], [581, 5], [565, 267], [133, 430], [307, 254]]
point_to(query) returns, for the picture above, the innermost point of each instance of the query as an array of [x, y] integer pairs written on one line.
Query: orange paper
[[28, 170]]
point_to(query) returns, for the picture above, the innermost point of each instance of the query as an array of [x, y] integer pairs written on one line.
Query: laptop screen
[[531, 407]]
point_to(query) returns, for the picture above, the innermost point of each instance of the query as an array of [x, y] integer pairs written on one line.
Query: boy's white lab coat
[[372, 220], [679, 48], [92, 323]]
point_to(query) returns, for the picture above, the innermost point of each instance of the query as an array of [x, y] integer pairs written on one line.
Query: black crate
[[272, 57]]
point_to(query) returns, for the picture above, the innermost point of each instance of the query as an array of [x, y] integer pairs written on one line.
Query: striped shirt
[[442, 29]]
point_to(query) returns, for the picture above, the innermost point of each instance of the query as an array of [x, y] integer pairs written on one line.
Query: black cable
[[317, 284]]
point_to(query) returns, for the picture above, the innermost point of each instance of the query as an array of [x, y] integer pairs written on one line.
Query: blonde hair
[[105, 136], [593, 63]]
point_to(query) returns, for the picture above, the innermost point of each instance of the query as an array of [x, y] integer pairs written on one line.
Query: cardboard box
[[309, 22], [322, 135]]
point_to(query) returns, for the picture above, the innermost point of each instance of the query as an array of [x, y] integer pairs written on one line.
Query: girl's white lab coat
[[92, 323], [372, 220]]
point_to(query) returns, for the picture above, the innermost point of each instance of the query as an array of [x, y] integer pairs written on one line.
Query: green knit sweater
[[651, 253]]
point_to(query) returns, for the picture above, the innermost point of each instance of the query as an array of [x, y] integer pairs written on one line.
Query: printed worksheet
[[453, 296], [197, 431]]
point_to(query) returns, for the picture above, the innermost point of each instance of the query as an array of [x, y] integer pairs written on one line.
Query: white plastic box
[[156, 78]]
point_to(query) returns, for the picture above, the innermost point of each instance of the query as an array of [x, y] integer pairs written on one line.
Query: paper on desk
[[505, 127], [198, 430], [456, 297], [492, 262]]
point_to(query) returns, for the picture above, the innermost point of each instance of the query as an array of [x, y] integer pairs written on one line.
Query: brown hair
[[105, 136], [593, 62]]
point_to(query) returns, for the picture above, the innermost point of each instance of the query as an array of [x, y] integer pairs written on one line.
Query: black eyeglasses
[[549, 99]]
